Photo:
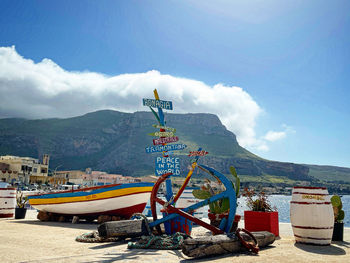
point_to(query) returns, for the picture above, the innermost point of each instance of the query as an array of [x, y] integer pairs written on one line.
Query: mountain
[[334, 174], [115, 142]]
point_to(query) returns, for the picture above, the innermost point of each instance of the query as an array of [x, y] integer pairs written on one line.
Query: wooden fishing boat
[[117, 200]]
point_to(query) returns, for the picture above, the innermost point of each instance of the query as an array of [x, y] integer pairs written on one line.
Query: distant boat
[[118, 199], [186, 198]]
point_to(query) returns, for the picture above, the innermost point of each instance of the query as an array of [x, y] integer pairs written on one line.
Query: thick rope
[[93, 237], [163, 242]]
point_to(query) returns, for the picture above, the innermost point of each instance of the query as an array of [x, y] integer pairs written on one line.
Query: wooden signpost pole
[[169, 189]]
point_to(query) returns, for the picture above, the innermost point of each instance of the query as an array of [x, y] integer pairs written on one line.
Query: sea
[[282, 204]]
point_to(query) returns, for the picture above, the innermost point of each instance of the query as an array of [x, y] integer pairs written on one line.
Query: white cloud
[[44, 89], [261, 144], [262, 147], [288, 129], [274, 136]]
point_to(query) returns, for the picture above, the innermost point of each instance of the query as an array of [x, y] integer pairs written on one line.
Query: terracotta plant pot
[[215, 220], [261, 221]]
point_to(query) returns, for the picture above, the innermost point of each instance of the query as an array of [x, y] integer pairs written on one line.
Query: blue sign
[[163, 104], [165, 148], [167, 165]]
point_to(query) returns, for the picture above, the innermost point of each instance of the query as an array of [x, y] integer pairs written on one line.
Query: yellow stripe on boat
[[104, 195]]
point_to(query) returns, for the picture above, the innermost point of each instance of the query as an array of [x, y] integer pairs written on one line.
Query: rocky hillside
[[115, 142]]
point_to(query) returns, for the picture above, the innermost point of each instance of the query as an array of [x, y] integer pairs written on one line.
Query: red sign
[[165, 140], [198, 153]]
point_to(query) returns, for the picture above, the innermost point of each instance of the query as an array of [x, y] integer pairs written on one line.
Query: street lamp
[[53, 172]]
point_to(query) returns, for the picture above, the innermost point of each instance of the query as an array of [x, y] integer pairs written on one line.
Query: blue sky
[[290, 58]]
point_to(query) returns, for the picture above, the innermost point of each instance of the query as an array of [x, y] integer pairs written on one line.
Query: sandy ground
[[29, 240]]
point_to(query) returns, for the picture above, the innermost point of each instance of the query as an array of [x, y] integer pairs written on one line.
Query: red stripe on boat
[[312, 227]]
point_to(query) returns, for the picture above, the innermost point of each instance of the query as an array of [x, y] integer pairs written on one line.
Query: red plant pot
[[261, 221]]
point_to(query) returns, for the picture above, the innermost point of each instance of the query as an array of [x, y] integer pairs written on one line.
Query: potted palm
[[261, 217], [338, 230], [219, 209], [20, 211]]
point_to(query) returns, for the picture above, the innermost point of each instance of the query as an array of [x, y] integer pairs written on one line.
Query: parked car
[[33, 187]]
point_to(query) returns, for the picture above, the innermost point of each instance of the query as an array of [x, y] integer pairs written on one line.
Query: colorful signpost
[[167, 165], [166, 137], [165, 148]]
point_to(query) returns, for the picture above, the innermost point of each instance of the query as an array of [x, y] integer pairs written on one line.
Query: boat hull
[[119, 200]]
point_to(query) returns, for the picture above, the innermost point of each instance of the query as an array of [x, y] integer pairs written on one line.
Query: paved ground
[[29, 240]]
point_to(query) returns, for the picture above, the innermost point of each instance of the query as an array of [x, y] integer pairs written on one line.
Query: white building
[[14, 169]]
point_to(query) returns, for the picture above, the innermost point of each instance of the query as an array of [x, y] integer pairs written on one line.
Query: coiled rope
[[93, 237], [163, 242]]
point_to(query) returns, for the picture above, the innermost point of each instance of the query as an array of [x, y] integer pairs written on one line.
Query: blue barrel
[[178, 224]]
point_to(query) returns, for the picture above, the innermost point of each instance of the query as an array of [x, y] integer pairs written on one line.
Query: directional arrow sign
[[198, 153], [162, 134], [163, 104], [164, 128], [165, 140], [164, 148]]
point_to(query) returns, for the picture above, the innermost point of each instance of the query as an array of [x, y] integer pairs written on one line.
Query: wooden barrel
[[7, 202], [311, 215]]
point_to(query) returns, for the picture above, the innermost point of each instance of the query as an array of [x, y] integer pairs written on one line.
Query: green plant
[[223, 205], [257, 202], [21, 201], [337, 209], [236, 184]]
